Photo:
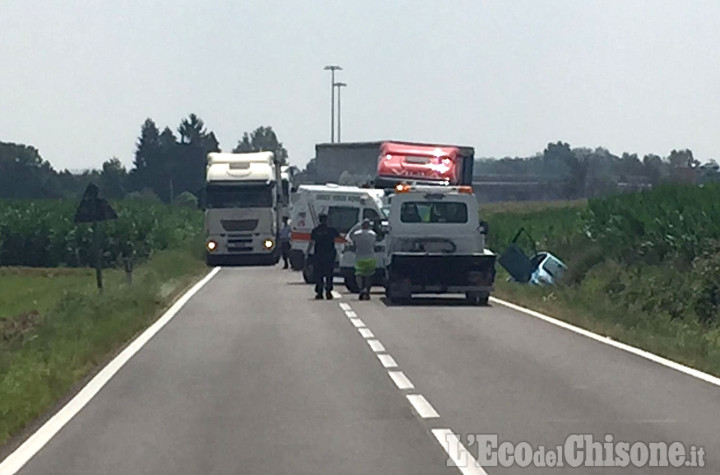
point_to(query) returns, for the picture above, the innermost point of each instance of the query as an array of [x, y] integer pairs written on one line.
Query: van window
[[433, 212], [343, 218]]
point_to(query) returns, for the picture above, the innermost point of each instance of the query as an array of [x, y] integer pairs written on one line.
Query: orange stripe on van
[[300, 236]]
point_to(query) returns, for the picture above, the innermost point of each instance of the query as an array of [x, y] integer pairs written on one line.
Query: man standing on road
[[323, 236], [364, 244], [285, 241]]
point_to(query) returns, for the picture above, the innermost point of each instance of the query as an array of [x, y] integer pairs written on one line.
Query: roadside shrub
[[187, 200]]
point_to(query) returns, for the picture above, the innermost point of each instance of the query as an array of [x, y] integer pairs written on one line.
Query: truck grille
[[239, 224], [240, 243]]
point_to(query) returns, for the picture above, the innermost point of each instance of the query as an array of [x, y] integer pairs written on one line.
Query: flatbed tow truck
[[436, 244]]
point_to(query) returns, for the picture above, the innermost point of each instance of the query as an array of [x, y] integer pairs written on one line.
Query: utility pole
[[332, 70], [339, 85]]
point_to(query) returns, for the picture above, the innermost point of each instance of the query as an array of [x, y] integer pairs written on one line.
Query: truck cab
[[424, 164], [242, 207], [436, 244]]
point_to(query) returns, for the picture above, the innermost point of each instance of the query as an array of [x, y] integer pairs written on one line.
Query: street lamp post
[[339, 85], [332, 70]]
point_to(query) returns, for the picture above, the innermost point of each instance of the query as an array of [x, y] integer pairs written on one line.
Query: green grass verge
[[35, 291], [72, 329]]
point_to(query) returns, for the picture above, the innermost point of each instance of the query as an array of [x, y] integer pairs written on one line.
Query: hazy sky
[[505, 76]]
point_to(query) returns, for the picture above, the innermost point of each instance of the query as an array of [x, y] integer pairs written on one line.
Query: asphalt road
[[252, 376]]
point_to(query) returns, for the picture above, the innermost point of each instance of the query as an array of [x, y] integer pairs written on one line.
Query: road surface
[[252, 376]]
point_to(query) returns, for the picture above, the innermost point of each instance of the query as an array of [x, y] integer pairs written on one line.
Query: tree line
[[167, 165], [170, 165], [581, 172]]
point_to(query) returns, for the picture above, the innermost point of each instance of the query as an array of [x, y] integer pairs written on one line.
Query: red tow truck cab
[[424, 164]]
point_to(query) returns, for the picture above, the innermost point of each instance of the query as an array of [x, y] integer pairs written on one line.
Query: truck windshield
[[433, 212], [342, 218], [239, 197]]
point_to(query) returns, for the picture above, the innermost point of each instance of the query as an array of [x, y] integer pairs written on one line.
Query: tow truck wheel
[[308, 272], [393, 296], [478, 298], [297, 260], [351, 282]]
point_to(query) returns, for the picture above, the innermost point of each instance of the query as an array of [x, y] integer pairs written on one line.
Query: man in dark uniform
[[323, 236]]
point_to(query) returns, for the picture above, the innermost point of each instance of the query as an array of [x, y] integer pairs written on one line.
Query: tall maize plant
[[43, 233], [677, 221]]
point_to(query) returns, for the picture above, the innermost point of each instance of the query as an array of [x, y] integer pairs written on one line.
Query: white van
[[345, 206]]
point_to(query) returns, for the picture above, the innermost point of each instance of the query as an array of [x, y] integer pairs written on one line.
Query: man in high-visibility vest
[[363, 241]]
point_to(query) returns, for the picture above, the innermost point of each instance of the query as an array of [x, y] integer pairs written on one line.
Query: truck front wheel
[[297, 259], [308, 273], [394, 294]]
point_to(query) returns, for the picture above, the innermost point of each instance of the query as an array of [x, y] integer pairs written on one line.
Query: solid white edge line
[[376, 346], [400, 380], [345, 306], [22, 455], [350, 314], [357, 322], [366, 333], [387, 361], [422, 406], [708, 378], [458, 454]]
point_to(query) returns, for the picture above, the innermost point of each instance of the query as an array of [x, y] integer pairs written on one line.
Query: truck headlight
[[211, 246], [268, 244]]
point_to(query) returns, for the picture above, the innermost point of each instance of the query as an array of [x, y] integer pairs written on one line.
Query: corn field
[[657, 251], [671, 221], [43, 233]]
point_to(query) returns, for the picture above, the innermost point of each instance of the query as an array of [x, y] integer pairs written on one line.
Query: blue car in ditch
[[543, 268]]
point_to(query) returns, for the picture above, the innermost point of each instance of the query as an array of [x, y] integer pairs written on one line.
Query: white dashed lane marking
[[422, 406], [457, 453], [400, 380], [387, 361], [357, 322], [460, 456], [376, 346]]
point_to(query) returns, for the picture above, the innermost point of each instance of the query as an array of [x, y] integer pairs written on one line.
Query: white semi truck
[[244, 205]]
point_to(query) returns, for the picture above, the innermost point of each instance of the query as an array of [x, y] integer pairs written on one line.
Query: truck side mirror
[[484, 228], [202, 200]]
